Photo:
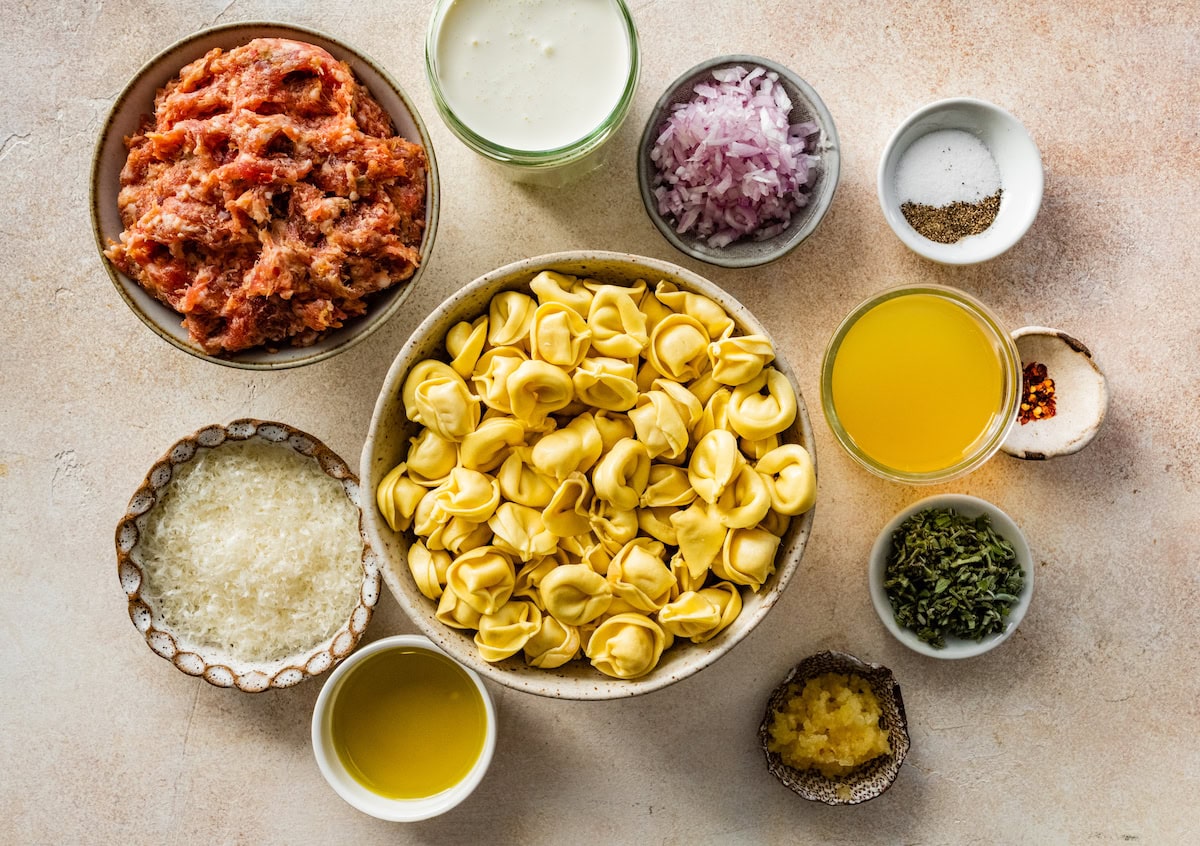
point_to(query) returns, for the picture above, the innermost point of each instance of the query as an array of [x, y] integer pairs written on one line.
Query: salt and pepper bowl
[[1021, 178], [806, 106], [1080, 396], [873, 777]]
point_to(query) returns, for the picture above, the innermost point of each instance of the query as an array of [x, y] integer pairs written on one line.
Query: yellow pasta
[[790, 478], [551, 287], [505, 632], [464, 343], [599, 469], [558, 335], [626, 646], [554, 644], [483, 578]]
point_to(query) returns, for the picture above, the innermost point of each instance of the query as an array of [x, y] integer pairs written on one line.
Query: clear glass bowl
[[551, 167], [1002, 418]]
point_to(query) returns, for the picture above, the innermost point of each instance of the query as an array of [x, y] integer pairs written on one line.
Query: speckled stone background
[[1080, 729]]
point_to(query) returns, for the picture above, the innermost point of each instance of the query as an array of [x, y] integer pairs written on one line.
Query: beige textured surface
[[1080, 729]]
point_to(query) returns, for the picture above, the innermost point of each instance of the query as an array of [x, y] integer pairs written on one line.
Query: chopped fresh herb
[[948, 574]]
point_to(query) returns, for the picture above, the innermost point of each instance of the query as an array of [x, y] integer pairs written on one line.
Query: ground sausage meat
[[268, 197]]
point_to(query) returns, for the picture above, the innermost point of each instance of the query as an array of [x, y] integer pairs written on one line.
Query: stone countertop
[[1080, 729]]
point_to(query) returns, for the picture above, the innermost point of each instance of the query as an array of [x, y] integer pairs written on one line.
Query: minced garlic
[[831, 725]]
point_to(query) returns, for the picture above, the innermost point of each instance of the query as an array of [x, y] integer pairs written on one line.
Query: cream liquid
[[532, 74]]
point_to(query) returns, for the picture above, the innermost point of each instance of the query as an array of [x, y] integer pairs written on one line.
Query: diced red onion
[[729, 164]]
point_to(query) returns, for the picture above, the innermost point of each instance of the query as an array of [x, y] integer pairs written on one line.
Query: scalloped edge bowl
[[222, 670], [387, 444]]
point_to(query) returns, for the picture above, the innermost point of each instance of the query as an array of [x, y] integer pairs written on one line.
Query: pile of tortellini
[[599, 471]]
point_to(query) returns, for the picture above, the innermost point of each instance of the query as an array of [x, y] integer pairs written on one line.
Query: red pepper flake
[[1037, 398]]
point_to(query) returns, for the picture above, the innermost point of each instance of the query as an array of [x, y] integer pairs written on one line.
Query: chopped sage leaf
[[948, 574]]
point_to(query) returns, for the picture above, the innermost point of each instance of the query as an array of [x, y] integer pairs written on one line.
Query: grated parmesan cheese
[[252, 551]]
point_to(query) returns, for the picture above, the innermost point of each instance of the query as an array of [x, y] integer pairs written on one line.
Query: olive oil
[[917, 383], [408, 723]]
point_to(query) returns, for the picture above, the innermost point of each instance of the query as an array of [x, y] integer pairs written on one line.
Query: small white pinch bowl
[[354, 793], [388, 442], [1080, 394], [1021, 177], [968, 506]]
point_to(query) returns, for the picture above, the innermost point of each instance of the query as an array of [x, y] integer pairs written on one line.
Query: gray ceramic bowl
[[388, 441], [874, 777], [221, 668], [806, 105], [137, 99]]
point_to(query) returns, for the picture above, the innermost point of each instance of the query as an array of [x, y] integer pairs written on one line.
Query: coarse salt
[[944, 167]]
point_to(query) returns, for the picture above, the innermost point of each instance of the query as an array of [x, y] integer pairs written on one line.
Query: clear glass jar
[[553, 167], [939, 393]]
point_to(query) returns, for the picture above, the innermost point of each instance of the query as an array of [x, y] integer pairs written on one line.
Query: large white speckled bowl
[[388, 440], [219, 667], [138, 99]]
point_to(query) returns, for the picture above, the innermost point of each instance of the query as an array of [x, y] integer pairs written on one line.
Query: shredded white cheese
[[252, 551]]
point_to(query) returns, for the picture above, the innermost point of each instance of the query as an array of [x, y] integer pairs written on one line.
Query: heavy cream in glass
[[532, 75]]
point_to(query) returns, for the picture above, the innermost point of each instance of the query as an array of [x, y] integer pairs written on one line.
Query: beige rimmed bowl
[[218, 667], [873, 777], [387, 445], [137, 99]]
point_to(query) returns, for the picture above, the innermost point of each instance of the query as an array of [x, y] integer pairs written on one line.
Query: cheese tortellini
[[599, 469]]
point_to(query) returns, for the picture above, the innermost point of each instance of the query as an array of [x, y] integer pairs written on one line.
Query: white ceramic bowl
[[388, 441], [1080, 393], [381, 807], [1021, 177], [137, 99], [968, 506], [806, 105], [215, 666]]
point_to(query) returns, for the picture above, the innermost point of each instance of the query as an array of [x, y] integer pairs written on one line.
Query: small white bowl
[[1021, 177], [1080, 394], [968, 506], [381, 807]]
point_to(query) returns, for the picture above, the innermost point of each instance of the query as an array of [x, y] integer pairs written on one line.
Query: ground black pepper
[[950, 223]]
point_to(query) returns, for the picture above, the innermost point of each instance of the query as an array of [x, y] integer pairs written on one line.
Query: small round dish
[[907, 347], [1015, 154], [388, 442], [137, 99], [806, 106], [349, 788], [1080, 396], [968, 506], [192, 653], [874, 777]]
